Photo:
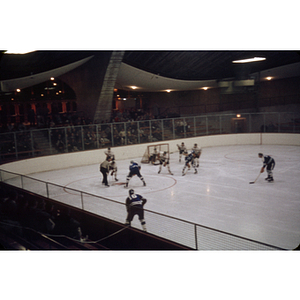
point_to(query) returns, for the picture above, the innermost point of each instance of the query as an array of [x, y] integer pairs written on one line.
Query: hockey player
[[134, 169], [164, 161], [113, 168], [135, 206], [198, 152], [269, 164], [182, 150], [108, 152], [189, 161], [153, 156], [104, 169]]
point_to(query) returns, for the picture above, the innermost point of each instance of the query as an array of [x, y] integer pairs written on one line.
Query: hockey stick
[[252, 182]]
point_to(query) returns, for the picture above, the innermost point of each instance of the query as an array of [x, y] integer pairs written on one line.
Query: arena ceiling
[[155, 70]]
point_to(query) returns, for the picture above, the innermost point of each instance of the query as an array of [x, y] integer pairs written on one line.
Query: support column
[[104, 105]]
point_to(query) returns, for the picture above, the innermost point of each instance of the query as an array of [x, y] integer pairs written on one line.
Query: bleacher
[[98, 233]]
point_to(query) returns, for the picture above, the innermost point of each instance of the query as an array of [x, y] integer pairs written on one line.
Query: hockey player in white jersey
[[109, 153], [153, 157], [198, 152], [114, 169], [182, 150], [164, 161]]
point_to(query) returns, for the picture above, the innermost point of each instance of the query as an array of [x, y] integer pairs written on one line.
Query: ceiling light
[[247, 60], [168, 91], [269, 78], [134, 87], [205, 88], [18, 51]]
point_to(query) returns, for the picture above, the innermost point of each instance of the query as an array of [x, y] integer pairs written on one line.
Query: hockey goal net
[[153, 151]]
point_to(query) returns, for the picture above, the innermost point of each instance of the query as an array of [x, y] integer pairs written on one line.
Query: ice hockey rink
[[219, 196]]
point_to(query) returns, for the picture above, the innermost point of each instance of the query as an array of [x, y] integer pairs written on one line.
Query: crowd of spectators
[[18, 213], [73, 132], [44, 119]]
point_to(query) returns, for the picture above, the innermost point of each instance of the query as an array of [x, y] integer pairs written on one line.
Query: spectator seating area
[[29, 221]]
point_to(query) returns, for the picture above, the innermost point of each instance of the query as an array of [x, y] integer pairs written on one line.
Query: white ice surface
[[219, 196]]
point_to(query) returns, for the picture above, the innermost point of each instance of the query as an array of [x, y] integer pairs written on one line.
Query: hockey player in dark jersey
[[134, 169], [269, 164], [104, 169], [189, 161], [135, 206], [164, 161]]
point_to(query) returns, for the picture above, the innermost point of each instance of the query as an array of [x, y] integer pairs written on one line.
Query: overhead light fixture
[[18, 51], [168, 91], [205, 88], [248, 60], [269, 78], [134, 87]]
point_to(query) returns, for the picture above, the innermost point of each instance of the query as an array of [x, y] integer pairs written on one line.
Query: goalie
[[164, 161], [154, 156]]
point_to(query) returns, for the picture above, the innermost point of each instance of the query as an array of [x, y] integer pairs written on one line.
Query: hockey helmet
[[131, 192]]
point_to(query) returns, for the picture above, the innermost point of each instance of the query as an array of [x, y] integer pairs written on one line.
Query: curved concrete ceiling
[[148, 82], [129, 77], [27, 81]]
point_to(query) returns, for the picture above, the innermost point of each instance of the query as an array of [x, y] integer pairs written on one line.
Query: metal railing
[[186, 233], [47, 141]]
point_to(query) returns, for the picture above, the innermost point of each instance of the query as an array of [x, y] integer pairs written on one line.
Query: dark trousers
[[135, 211], [104, 173]]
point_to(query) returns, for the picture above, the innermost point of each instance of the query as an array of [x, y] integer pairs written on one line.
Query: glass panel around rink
[[189, 127], [179, 128], [200, 126], [156, 130], [213, 125], [144, 131], [168, 132], [41, 142], [119, 135], [289, 122], [105, 135]]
